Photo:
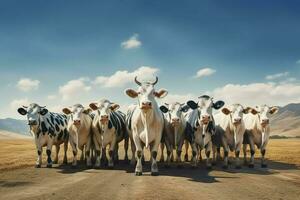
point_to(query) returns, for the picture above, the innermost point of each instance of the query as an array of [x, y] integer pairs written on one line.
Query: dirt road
[[280, 181]]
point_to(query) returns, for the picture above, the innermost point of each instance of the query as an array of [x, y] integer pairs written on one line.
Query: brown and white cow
[[79, 127], [230, 129], [146, 122], [257, 133]]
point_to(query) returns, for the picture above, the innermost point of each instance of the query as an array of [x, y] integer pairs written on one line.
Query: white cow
[[230, 129], [48, 129], [173, 134], [201, 127], [79, 127], [109, 128], [258, 131], [146, 122]]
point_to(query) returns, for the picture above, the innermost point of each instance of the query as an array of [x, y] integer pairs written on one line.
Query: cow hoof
[[37, 166], [251, 165], [65, 162], [194, 167], [55, 162], [264, 165], [238, 167], [97, 167], [209, 167], [186, 158], [74, 166], [110, 167], [138, 173], [49, 165], [167, 166], [225, 166], [154, 173], [213, 163]]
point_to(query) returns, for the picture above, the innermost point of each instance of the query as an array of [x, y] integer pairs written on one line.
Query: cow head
[[75, 112], [146, 94], [104, 108], [175, 112], [263, 112], [33, 112], [205, 106], [236, 112]]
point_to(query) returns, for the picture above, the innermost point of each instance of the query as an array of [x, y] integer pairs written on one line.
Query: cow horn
[[42, 106], [156, 80], [25, 106], [136, 81]]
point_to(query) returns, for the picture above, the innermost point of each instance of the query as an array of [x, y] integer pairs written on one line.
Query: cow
[[230, 129], [109, 128], [79, 127], [201, 127], [173, 134], [257, 124], [146, 122], [48, 129]]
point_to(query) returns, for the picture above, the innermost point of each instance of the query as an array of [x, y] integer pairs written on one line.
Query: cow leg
[[218, 153], [178, 156], [111, 156], [186, 155], [199, 154], [97, 144], [126, 149], [82, 154], [88, 152], [263, 161], [73, 142], [169, 152], [65, 160], [57, 148], [39, 157], [208, 148], [133, 150], [48, 151], [194, 154], [252, 151], [214, 150], [116, 153], [139, 151], [245, 153], [226, 152], [162, 147], [153, 149]]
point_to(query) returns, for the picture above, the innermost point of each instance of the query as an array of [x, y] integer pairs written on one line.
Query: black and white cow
[[201, 126], [109, 128], [146, 122], [48, 129]]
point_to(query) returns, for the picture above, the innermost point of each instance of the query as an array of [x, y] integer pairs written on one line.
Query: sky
[[58, 53]]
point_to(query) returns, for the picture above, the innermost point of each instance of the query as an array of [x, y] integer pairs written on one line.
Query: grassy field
[[22, 153]]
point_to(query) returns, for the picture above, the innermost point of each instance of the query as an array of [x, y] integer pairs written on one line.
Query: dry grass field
[[20, 180], [22, 153]]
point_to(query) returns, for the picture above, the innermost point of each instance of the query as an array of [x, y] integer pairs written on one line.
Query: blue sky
[[241, 42]]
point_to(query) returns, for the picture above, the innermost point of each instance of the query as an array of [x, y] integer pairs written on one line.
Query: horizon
[[58, 54]]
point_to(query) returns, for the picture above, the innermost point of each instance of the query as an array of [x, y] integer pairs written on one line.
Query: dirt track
[[280, 181]]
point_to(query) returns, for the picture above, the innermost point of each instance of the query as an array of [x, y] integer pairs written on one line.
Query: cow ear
[[87, 111], [131, 93], [226, 111], [44, 111], [219, 104], [185, 108], [93, 106], [114, 107], [22, 111], [161, 93], [246, 110], [273, 110], [192, 104], [66, 111], [163, 109], [253, 111]]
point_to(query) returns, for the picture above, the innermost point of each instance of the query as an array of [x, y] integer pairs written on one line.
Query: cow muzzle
[[32, 122], [104, 119], [146, 105], [264, 122], [205, 119], [175, 121], [237, 121], [76, 122]]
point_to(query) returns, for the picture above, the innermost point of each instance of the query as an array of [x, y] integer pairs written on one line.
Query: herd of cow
[[146, 124]]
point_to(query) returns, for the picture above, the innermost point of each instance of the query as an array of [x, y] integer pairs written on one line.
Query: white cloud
[[205, 72], [181, 98], [26, 84], [51, 97], [259, 93], [276, 76], [15, 104], [298, 61], [121, 78], [132, 43], [74, 89]]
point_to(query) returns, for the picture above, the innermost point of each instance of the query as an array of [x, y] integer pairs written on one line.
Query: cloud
[[258, 93], [26, 84], [122, 78], [205, 72], [15, 104], [298, 62], [51, 97], [181, 98], [132, 43], [276, 76], [74, 89]]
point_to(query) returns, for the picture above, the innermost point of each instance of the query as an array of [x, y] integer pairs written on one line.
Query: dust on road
[[280, 181]]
